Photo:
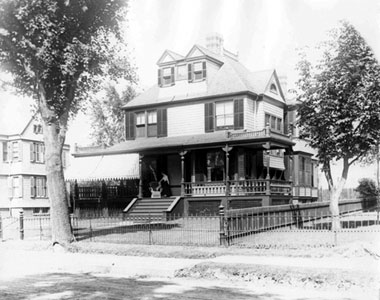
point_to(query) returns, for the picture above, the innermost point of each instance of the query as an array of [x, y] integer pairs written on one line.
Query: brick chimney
[[214, 43]]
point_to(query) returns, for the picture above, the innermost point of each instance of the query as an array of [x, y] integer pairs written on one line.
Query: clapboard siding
[[273, 110], [186, 120]]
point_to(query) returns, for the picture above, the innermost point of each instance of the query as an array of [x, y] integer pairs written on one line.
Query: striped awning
[[103, 167]]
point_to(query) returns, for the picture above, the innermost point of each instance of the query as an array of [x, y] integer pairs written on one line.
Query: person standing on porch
[[164, 185]]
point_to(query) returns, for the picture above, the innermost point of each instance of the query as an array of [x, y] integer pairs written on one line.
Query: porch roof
[[100, 167], [264, 139]]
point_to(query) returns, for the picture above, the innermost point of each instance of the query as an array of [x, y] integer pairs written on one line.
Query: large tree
[[56, 51], [340, 110], [107, 116]]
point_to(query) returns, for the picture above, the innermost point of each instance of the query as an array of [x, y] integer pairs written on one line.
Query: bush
[[368, 190]]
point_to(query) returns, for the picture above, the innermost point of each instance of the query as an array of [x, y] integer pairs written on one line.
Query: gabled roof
[[168, 56]]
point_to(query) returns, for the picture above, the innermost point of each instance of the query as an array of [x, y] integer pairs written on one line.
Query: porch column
[[140, 176], [182, 154], [227, 149], [268, 175]]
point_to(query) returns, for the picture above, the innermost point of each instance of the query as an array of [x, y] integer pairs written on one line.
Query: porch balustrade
[[238, 187]]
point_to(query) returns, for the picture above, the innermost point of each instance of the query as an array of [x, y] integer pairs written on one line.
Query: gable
[[273, 88], [169, 57], [195, 52]]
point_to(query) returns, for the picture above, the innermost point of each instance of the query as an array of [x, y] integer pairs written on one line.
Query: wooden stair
[[153, 208]]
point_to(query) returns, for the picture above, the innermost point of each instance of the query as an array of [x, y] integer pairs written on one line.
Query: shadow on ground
[[87, 286]]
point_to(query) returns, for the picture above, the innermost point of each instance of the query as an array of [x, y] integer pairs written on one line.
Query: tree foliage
[[56, 51], [340, 110], [107, 116]]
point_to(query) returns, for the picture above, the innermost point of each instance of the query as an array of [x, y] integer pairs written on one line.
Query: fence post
[[150, 230], [21, 224], [222, 234]]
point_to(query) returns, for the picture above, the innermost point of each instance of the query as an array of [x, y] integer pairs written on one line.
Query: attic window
[[273, 88], [37, 129]]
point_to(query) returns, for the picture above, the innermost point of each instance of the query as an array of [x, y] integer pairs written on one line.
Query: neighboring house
[[22, 161], [218, 131]]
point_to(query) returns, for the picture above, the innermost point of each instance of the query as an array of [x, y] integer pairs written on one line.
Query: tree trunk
[[59, 212], [336, 191]]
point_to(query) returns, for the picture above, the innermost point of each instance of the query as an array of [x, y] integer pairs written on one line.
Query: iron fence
[[311, 228]]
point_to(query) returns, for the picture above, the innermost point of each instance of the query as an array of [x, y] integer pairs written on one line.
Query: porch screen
[[129, 125]]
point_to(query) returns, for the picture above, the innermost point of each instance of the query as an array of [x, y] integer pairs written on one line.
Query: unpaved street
[[45, 275]]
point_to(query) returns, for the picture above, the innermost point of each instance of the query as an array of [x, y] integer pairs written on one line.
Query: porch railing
[[238, 187]]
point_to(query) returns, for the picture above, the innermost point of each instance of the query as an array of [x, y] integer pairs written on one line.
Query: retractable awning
[[103, 167]]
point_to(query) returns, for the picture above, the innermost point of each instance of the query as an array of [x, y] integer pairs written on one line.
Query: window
[[181, 72], [224, 114], [38, 187], [37, 152], [40, 211], [15, 151], [152, 123], [5, 151], [166, 76], [273, 88], [37, 129], [274, 123], [140, 124], [196, 71]]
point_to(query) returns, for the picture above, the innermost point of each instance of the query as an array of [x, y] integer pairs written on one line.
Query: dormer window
[[196, 71], [166, 76], [273, 88]]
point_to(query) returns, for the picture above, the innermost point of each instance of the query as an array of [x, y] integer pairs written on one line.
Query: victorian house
[[23, 183], [215, 134]]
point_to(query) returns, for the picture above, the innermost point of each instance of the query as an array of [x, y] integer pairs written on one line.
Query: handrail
[[173, 204], [130, 205]]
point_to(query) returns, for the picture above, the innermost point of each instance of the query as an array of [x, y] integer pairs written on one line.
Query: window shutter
[[43, 152], [162, 122], [159, 77], [204, 69], [20, 151], [32, 152], [10, 187], [20, 186], [32, 187], [189, 73], [238, 114], [209, 117], [44, 186], [129, 125], [172, 76]]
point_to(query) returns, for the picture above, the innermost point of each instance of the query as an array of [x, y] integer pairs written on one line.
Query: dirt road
[[38, 275]]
